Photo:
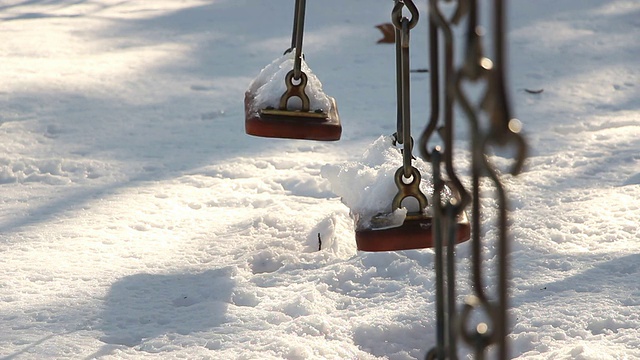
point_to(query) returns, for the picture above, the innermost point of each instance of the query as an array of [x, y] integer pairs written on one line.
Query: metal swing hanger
[[284, 122], [415, 232]]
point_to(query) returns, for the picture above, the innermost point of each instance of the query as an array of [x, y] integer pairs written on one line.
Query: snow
[[269, 86], [137, 220], [367, 186]]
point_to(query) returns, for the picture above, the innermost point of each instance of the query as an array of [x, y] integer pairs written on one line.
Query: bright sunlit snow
[[139, 221]]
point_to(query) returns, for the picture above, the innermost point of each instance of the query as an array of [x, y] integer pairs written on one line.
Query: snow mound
[[268, 87], [367, 186], [633, 180]]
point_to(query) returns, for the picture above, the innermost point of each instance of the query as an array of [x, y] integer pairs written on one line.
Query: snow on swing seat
[[265, 117], [367, 187]]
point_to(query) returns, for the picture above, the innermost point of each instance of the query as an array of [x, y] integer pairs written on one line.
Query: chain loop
[[396, 14]]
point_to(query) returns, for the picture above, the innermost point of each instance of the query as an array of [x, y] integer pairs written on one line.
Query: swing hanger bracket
[[410, 189]]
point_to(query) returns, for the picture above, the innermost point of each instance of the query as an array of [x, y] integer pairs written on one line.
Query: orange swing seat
[[284, 123], [412, 234]]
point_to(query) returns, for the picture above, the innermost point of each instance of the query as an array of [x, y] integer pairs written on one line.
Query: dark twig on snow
[[534, 91], [319, 242]]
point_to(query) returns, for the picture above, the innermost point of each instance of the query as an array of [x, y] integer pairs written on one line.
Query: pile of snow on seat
[[367, 185], [269, 86]]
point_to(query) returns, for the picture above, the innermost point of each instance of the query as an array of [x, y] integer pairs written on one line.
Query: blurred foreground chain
[[482, 322]]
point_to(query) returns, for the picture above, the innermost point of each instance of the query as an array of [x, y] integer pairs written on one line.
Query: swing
[[415, 233], [284, 121], [416, 230]]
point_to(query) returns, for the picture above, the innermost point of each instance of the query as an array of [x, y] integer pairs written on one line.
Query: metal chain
[[294, 35], [402, 55], [296, 79], [434, 66], [399, 135], [296, 39], [502, 130], [475, 69], [447, 130], [403, 26], [439, 351]]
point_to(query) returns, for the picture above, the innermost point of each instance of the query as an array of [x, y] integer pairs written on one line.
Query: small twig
[[319, 242], [419, 70], [536, 91]]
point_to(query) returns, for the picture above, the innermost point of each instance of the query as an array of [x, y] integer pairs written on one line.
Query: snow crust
[[269, 85]]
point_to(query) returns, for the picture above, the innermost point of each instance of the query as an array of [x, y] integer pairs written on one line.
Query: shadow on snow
[[146, 306]]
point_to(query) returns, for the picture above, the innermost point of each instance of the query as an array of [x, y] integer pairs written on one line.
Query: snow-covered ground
[[137, 220]]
